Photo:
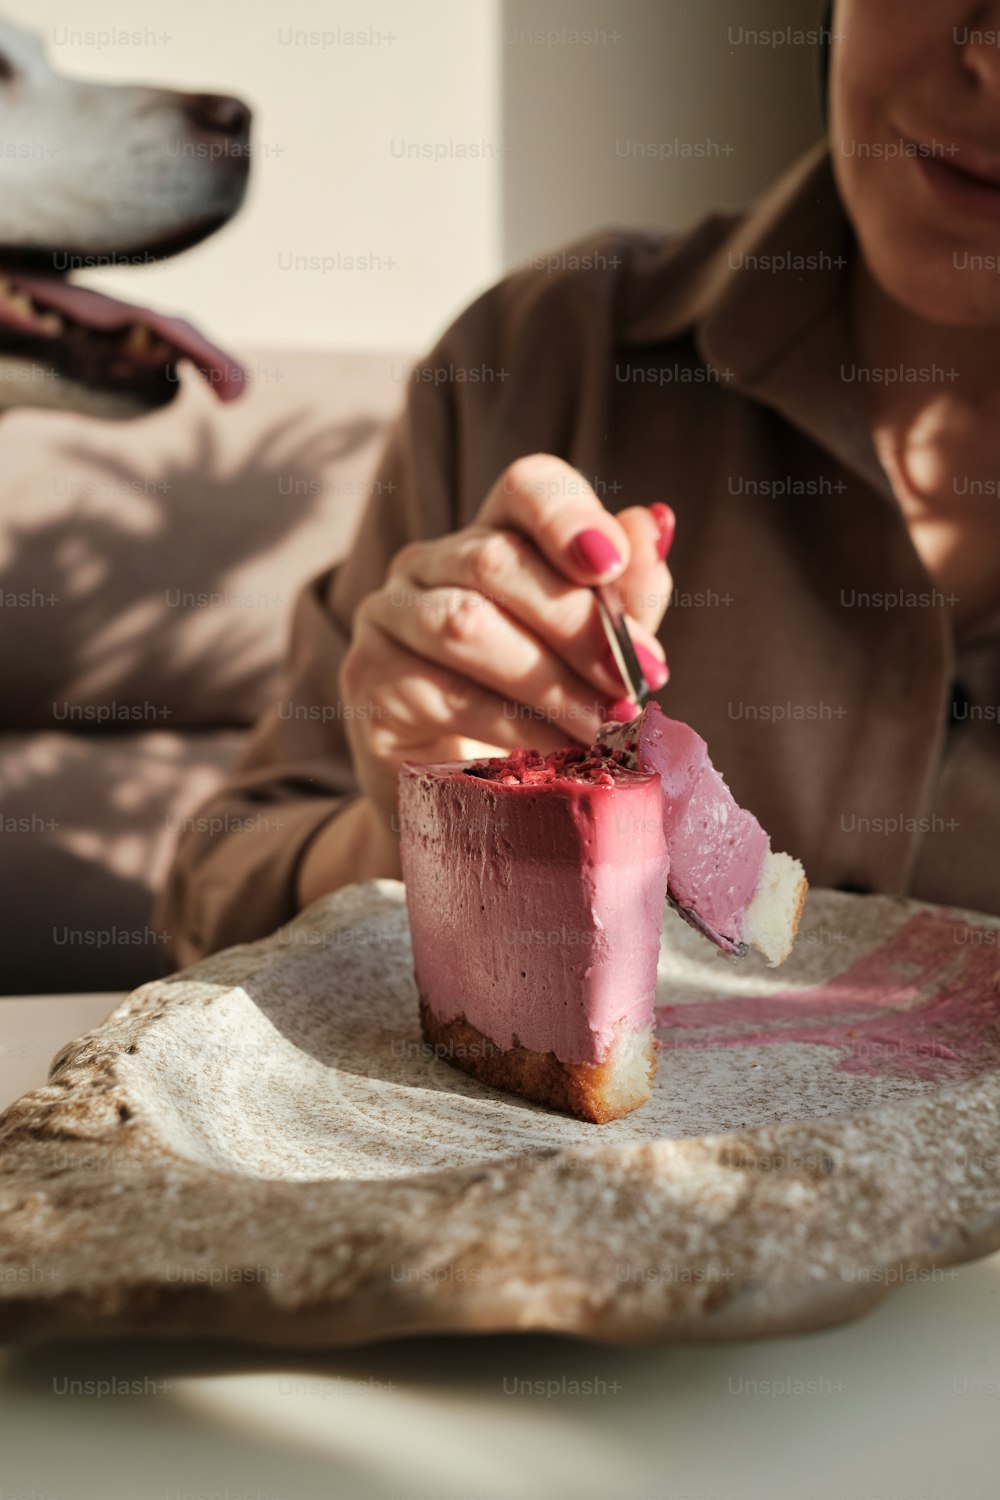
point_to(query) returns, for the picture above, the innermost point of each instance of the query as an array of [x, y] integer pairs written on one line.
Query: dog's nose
[[220, 113]]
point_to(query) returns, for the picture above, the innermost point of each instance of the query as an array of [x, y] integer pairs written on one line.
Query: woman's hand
[[489, 638]]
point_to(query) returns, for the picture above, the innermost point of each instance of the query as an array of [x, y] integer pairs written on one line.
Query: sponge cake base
[[598, 1092]]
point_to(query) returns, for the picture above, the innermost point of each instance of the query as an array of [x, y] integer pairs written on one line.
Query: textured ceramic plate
[[263, 1148]]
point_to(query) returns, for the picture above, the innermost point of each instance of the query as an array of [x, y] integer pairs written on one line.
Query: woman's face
[[915, 137]]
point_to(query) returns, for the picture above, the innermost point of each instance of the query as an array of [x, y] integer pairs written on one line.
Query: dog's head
[[94, 175]]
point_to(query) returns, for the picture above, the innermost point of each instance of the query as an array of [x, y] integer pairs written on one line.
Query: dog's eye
[[7, 70]]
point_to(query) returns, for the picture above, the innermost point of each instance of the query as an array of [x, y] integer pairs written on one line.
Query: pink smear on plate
[[926, 1005]]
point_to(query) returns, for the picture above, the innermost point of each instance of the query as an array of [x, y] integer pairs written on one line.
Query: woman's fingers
[[503, 567], [646, 584], [490, 638], [549, 503], [466, 633], [410, 708], [552, 505]]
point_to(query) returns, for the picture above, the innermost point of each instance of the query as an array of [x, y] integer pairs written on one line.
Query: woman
[[815, 390]]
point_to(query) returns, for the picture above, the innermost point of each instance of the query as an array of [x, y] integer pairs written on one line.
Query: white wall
[[548, 120], [648, 112]]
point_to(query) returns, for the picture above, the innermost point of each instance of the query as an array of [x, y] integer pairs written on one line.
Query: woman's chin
[[939, 291]]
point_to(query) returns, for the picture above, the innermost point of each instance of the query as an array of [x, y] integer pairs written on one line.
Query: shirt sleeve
[[234, 872]]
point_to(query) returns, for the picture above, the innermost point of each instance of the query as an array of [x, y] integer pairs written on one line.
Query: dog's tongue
[[224, 374]]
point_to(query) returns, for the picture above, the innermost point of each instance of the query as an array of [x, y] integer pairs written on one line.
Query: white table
[[902, 1406]]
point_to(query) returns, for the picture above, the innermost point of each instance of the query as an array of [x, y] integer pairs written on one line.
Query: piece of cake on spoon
[[725, 879]]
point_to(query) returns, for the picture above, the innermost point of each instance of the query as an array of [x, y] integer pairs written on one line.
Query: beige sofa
[[147, 571]]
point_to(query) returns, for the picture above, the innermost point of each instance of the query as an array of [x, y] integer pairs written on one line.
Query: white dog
[[95, 175]]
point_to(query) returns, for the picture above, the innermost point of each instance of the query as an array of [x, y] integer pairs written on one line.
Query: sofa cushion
[[87, 825], [147, 569]]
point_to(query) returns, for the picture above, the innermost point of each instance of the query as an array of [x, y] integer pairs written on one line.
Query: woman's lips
[[966, 194], [964, 188]]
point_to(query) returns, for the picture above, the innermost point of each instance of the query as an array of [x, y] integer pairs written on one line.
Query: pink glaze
[[717, 848], [535, 888], [925, 1005]]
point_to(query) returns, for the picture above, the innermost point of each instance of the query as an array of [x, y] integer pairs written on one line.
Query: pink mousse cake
[[724, 877], [535, 887]]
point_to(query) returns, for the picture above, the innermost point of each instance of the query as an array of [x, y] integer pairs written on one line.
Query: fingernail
[[594, 552], [656, 672], [621, 710], [666, 523]]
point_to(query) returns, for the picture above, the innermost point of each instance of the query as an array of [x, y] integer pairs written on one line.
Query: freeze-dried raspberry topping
[[592, 764]]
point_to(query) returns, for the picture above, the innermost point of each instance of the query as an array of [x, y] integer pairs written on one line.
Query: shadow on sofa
[[147, 573]]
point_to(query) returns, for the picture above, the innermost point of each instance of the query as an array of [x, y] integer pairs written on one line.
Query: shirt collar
[[766, 300]]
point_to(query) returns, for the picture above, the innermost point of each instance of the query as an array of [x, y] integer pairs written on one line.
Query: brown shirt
[[807, 642]]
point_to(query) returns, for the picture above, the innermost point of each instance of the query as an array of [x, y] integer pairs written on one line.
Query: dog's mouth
[[74, 333]]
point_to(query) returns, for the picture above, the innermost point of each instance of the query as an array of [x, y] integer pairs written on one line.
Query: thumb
[[646, 584]]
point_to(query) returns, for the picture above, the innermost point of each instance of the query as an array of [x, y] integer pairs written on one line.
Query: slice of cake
[[724, 877], [535, 887]]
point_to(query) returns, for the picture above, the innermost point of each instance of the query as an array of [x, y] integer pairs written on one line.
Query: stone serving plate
[[262, 1148]]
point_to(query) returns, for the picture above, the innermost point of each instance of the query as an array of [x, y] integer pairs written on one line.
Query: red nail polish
[[654, 670], [667, 523], [622, 710], [595, 553]]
